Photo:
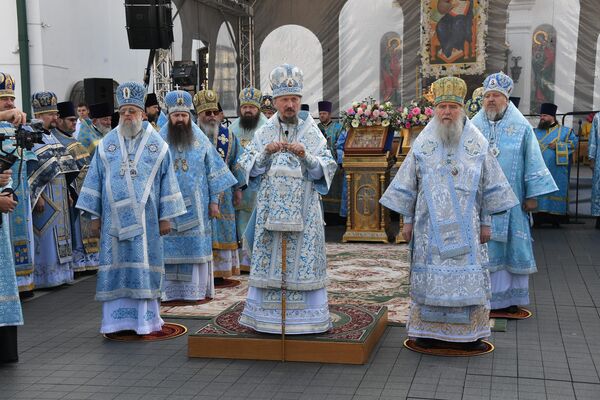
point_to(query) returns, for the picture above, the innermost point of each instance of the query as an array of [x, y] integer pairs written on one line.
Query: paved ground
[[554, 355]]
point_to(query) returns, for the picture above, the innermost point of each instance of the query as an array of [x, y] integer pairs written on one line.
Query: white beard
[[130, 129], [449, 133], [495, 115], [211, 130]]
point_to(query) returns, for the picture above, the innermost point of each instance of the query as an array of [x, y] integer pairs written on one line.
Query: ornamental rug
[[351, 323], [359, 273]]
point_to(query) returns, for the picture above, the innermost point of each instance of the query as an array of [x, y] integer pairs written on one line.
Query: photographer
[[25, 161], [11, 315]]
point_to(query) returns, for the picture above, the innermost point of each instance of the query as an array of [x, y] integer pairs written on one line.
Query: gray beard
[[290, 120], [450, 133], [209, 130], [103, 129], [130, 129], [496, 115]]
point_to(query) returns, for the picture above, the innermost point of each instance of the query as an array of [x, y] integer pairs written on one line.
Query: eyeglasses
[[132, 111], [209, 113]]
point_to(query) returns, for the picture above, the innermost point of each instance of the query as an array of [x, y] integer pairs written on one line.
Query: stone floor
[[553, 355]]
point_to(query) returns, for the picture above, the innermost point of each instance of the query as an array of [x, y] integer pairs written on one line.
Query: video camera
[[24, 137]]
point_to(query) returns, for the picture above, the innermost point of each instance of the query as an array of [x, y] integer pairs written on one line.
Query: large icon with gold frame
[[368, 140]]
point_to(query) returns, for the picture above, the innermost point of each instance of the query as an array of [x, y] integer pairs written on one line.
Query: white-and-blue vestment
[[131, 185], [243, 212], [288, 207], [510, 250], [202, 176], [447, 194]]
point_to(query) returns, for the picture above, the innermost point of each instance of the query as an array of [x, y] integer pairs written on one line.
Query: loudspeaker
[[98, 90], [149, 24], [185, 73]]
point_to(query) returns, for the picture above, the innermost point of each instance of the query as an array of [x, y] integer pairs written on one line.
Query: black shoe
[[477, 345], [512, 309], [427, 343], [28, 294]]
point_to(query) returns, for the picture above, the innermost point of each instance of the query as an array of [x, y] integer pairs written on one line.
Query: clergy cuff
[[311, 161], [262, 159]]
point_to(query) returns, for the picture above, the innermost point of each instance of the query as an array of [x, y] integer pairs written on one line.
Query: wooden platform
[[356, 330]]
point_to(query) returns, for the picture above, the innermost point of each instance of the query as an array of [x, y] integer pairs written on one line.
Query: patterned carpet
[[359, 273]]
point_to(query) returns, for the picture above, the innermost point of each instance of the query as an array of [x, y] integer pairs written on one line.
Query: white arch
[[563, 15], [225, 80], [294, 44], [362, 24]]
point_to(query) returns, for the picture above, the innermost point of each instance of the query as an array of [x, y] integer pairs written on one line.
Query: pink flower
[[407, 125], [416, 111], [359, 111], [376, 113], [368, 113], [383, 114], [428, 111], [350, 111], [363, 106]]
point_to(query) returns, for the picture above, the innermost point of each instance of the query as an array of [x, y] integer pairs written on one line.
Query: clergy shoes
[[8, 344], [510, 310], [427, 343]]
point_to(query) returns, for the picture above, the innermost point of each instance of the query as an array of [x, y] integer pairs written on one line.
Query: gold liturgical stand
[[367, 166], [407, 137]]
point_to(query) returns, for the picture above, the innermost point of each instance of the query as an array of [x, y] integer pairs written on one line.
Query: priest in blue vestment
[[225, 243], [49, 184], [514, 144], [289, 159], [557, 144], [10, 306], [202, 177], [244, 128], [91, 131], [131, 190], [21, 227], [594, 155], [446, 189], [85, 246], [332, 130], [266, 106]]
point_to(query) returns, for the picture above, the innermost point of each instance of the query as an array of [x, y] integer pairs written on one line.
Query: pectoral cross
[[177, 87]]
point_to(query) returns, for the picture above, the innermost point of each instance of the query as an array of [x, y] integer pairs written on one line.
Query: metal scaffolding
[[161, 73], [246, 51]]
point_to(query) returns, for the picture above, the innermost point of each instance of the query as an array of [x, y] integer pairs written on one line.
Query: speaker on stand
[[98, 90], [149, 24]]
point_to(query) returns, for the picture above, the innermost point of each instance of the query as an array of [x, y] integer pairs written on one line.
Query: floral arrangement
[[415, 114], [369, 113]]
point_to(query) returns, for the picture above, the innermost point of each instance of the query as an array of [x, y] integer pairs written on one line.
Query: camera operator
[[11, 315], [21, 227]]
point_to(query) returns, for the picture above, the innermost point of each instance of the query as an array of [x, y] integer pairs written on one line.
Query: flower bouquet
[[369, 113], [415, 114]]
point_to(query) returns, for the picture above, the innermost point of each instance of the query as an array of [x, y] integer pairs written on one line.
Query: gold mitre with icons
[[206, 100], [449, 89]]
